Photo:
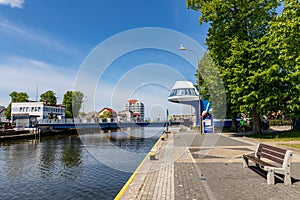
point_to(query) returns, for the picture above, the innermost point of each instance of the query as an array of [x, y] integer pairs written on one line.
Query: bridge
[[102, 125]]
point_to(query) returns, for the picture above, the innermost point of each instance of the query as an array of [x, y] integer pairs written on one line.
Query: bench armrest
[[249, 154]]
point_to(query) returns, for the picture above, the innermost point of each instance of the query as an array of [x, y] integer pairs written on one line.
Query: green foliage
[[277, 122], [73, 101], [15, 97], [19, 96], [212, 87], [49, 97], [297, 146], [8, 112], [281, 58], [68, 114], [234, 42], [106, 114], [277, 136]]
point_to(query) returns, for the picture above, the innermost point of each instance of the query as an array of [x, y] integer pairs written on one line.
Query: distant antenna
[[36, 93]]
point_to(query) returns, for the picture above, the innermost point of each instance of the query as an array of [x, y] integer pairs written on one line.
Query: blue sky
[[46, 43]]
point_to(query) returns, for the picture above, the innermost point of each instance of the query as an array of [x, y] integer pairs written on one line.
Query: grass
[[277, 136], [297, 146]]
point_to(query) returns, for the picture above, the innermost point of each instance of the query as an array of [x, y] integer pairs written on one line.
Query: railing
[[90, 121]]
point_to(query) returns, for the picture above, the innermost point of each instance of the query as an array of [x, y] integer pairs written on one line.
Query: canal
[[91, 165]]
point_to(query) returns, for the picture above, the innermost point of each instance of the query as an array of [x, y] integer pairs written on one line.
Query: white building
[[136, 107], [125, 116], [39, 109]]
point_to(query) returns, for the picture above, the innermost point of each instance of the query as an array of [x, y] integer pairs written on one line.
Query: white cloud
[[24, 75], [13, 3]]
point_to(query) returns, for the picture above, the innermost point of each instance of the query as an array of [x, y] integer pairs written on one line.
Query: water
[[89, 166]]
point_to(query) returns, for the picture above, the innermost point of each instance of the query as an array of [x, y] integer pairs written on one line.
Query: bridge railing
[[85, 121], [64, 121]]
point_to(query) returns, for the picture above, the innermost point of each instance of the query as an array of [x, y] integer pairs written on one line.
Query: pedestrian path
[[193, 166]]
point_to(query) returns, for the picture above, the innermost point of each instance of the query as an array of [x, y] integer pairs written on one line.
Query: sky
[[112, 51]]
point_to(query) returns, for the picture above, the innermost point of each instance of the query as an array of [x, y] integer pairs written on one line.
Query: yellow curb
[[122, 191]]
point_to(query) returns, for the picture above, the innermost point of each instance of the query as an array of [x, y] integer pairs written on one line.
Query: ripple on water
[[64, 168]]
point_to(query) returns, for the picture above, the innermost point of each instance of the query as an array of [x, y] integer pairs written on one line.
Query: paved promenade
[[193, 166]]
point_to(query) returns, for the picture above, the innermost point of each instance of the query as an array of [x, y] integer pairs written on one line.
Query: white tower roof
[[183, 84]]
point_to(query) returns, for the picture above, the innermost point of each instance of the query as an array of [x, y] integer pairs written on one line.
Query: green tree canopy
[[19, 96], [211, 85], [106, 114], [73, 101], [15, 97], [281, 59], [49, 97], [233, 40]]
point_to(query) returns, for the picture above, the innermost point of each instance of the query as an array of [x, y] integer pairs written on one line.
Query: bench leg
[[287, 179], [245, 162], [270, 177]]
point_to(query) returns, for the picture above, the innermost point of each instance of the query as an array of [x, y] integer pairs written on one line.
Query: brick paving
[[193, 166]]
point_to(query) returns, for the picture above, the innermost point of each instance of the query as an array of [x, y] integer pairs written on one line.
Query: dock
[[188, 165], [11, 134]]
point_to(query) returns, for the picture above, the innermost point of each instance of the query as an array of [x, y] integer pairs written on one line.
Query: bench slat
[[258, 161], [273, 153], [270, 157], [279, 150]]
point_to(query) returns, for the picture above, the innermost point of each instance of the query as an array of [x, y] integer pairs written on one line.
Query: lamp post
[[198, 74]]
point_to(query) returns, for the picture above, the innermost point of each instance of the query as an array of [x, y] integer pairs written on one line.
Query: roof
[[108, 109], [183, 84], [133, 101]]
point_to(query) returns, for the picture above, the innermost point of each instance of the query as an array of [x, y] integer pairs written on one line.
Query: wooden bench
[[273, 160]]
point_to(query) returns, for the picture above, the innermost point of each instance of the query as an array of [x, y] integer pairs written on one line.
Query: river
[[92, 165]]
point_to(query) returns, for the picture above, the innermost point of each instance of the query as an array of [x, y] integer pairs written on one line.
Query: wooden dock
[[12, 134]]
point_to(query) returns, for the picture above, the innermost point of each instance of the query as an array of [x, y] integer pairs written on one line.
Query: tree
[[211, 85], [105, 115], [15, 97], [236, 28], [49, 97], [73, 101], [282, 55]]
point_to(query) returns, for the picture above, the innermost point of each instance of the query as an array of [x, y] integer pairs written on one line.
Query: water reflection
[[123, 148], [47, 159], [73, 167]]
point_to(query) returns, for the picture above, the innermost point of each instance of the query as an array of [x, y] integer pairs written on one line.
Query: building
[[41, 110], [136, 107], [103, 115], [184, 92], [125, 116], [92, 116]]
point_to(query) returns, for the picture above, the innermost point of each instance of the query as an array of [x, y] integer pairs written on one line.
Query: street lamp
[[198, 74]]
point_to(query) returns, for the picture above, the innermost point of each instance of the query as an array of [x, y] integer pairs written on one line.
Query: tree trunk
[[233, 124], [256, 121]]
